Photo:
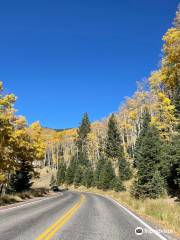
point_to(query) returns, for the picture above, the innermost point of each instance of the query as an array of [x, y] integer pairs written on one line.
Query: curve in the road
[[68, 216]]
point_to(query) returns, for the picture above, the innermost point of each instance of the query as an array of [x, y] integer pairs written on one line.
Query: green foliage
[[148, 155], [61, 173], [78, 175], [81, 141], [114, 147], [118, 185], [106, 177], [157, 186], [84, 128], [149, 189], [70, 173], [88, 177], [21, 180], [145, 127], [125, 172], [100, 164], [171, 166]]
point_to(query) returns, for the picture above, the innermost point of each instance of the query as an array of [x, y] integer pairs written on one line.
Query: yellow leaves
[[171, 60], [133, 115], [171, 38], [164, 82], [36, 126], [162, 114], [156, 79], [54, 158], [35, 132], [2, 178], [17, 141], [92, 137], [162, 97], [20, 122], [7, 101]]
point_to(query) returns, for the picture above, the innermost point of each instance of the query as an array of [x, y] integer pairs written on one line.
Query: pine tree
[[88, 177], [114, 149], [84, 128], [118, 185], [100, 164], [125, 172], [78, 175], [157, 185], [106, 177], [148, 156], [21, 180], [70, 173], [81, 141], [61, 173], [145, 127], [171, 166]]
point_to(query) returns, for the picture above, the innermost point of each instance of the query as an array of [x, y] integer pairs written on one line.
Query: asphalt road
[[72, 216]]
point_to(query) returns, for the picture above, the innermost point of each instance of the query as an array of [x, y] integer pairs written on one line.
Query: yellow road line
[[57, 225]]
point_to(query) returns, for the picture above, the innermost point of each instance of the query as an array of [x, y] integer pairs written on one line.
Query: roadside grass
[[164, 212], [19, 197]]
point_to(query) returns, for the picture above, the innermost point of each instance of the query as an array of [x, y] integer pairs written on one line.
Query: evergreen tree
[[61, 173], [78, 175], [118, 185], [106, 177], [145, 127], [100, 164], [148, 156], [125, 172], [171, 166], [88, 177], [81, 141], [21, 180], [114, 149], [70, 173], [157, 185], [84, 128]]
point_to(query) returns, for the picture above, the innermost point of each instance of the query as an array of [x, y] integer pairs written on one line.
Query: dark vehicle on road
[[55, 189]]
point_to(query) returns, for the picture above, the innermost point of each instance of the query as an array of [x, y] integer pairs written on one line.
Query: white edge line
[[132, 214], [139, 219], [25, 204]]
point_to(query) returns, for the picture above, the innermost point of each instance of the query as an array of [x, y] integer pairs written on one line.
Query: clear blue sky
[[65, 57]]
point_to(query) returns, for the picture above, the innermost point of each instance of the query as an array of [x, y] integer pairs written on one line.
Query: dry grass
[[164, 212], [8, 199], [19, 197]]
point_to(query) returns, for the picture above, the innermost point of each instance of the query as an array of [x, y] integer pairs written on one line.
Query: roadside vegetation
[[22, 196], [140, 143], [163, 212]]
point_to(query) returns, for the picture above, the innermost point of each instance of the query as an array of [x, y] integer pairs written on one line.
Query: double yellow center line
[[56, 226]]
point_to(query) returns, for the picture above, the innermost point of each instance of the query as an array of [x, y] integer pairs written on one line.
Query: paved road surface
[[72, 216]]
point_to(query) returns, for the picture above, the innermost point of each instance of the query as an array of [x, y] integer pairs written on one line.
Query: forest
[[140, 142]]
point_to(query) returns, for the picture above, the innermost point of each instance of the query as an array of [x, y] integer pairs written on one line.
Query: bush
[[118, 185]]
